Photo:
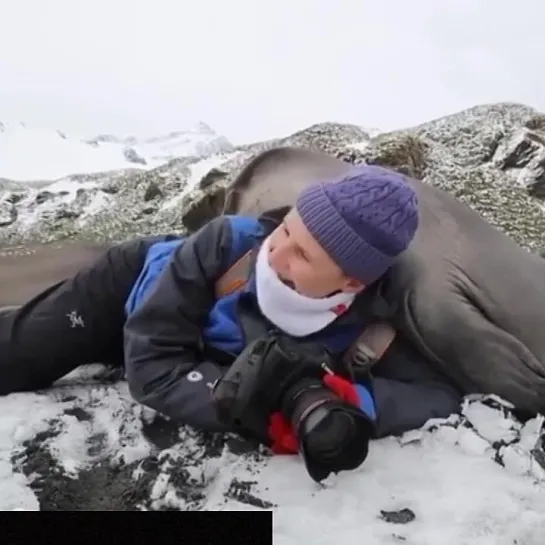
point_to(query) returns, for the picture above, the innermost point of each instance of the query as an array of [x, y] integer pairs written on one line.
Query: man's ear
[[352, 285]]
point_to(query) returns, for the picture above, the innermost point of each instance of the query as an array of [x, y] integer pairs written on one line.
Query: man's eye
[[303, 255]]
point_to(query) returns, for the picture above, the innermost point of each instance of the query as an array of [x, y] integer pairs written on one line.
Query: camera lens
[[328, 437], [325, 430], [303, 400], [333, 436]]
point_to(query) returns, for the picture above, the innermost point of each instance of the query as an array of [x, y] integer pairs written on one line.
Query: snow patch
[[360, 146], [198, 170], [99, 201], [55, 195]]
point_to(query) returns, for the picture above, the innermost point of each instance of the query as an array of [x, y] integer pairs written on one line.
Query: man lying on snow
[[269, 357]]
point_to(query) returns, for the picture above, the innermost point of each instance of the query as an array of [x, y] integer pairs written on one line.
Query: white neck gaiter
[[293, 313]]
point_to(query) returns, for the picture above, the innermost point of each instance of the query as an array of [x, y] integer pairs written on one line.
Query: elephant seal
[[25, 271], [467, 295]]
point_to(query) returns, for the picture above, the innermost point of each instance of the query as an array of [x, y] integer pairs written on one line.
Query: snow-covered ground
[[36, 154], [466, 480]]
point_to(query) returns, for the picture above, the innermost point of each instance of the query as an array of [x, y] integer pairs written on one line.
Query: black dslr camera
[[278, 373]]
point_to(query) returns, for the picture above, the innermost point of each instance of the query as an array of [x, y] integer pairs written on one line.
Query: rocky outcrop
[[132, 156], [8, 213], [492, 157], [523, 156], [462, 153]]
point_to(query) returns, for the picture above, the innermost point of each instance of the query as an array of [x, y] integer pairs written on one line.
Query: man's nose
[[280, 248], [278, 256]]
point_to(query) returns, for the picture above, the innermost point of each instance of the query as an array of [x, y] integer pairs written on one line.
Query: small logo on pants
[[75, 319]]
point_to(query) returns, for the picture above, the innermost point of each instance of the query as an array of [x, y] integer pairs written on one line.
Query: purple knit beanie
[[363, 220]]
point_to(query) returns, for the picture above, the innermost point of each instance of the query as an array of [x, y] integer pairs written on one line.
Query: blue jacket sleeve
[[405, 406], [162, 338], [406, 392]]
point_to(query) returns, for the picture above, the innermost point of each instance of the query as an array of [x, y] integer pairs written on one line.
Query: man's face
[[303, 264]]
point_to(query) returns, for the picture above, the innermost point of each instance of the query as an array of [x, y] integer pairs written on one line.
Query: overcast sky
[[254, 69]]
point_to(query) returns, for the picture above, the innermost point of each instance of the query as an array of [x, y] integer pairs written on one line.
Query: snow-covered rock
[[461, 153], [36, 154], [523, 156], [457, 153]]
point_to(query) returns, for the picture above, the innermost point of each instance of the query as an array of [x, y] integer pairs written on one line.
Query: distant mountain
[[32, 154]]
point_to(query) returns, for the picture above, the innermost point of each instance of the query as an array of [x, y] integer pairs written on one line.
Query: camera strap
[[253, 324]]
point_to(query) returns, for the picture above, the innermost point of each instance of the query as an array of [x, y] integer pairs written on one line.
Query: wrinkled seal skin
[[26, 271], [466, 294]]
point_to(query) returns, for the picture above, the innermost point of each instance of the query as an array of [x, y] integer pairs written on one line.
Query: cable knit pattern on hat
[[363, 220]]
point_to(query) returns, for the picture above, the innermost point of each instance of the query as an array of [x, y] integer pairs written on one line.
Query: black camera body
[[279, 374], [261, 376]]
